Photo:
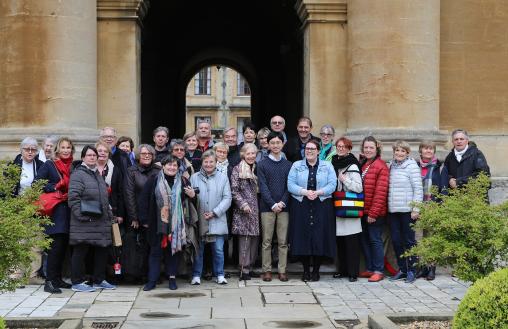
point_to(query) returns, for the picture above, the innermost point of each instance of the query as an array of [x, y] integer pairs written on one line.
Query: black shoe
[[353, 279], [253, 274], [244, 276], [315, 277], [306, 277], [338, 275], [172, 284], [62, 284], [432, 273], [208, 276], [50, 287], [422, 272], [150, 285], [227, 275]]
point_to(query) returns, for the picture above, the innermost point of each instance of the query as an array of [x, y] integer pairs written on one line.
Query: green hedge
[[485, 304]]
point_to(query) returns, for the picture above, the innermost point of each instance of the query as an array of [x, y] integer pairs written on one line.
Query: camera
[[196, 190]]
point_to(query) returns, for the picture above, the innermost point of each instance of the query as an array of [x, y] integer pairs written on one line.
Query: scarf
[[427, 171], [246, 172], [459, 154], [170, 215], [63, 166], [325, 149], [339, 162], [223, 166]]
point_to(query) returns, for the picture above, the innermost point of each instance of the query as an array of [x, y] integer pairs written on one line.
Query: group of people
[[192, 202]]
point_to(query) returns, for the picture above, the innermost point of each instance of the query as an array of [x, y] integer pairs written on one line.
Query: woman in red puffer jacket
[[375, 176]]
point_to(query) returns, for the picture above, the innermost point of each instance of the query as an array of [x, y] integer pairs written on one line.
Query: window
[[242, 86], [202, 82]]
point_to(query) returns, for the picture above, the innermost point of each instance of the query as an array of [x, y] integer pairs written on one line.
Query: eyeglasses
[[143, 154], [108, 136], [29, 149], [93, 155], [341, 146], [310, 149], [179, 150], [277, 123], [221, 151], [325, 134]]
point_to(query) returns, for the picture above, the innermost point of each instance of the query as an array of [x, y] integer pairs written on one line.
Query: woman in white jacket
[[404, 191], [348, 230]]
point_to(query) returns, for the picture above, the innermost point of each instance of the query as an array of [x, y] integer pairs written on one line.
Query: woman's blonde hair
[[59, 143], [403, 145]]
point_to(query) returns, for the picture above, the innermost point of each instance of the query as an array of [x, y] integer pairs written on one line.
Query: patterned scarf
[[427, 171], [325, 149], [246, 172], [170, 217]]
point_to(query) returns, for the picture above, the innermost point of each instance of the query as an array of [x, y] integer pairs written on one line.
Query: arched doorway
[[219, 95], [262, 41]]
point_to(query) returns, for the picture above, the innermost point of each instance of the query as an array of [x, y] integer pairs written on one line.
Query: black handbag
[[91, 208]]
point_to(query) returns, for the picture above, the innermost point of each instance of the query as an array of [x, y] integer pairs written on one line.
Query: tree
[[465, 232], [21, 227]]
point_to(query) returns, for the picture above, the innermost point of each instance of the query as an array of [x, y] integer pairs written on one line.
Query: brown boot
[[283, 277], [267, 276]]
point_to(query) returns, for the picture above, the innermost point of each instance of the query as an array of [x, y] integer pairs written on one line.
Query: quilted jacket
[[405, 186], [375, 187]]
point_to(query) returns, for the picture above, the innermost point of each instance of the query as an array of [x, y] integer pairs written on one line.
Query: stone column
[[48, 71], [119, 64], [325, 62], [394, 67]]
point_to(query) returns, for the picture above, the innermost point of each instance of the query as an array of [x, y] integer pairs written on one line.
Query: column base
[[388, 136], [10, 138]]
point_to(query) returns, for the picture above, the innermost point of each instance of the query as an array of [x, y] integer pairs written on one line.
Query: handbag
[[116, 236], [348, 204], [91, 208], [48, 201]]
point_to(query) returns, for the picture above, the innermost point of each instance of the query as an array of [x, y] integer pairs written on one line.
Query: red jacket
[[375, 187]]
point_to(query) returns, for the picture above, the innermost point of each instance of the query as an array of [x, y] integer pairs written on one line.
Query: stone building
[[405, 69], [219, 95]]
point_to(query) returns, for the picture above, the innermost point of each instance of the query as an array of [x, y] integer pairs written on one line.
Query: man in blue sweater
[[272, 177]]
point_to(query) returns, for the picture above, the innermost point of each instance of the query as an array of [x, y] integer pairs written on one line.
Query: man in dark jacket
[[120, 158], [465, 161], [294, 148]]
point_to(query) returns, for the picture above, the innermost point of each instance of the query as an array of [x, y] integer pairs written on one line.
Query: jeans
[[218, 257], [372, 244], [154, 262], [403, 238]]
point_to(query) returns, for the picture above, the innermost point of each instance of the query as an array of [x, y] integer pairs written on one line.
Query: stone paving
[[252, 304]]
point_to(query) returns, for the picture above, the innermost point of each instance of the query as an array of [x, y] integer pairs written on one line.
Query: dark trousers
[[154, 263], [79, 253], [316, 263], [372, 244], [403, 238], [56, 256], [348, 253]]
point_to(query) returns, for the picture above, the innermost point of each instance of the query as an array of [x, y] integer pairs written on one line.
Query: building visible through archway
[[261, 40]]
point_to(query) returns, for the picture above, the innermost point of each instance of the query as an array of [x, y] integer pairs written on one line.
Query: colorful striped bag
[[348, 204]]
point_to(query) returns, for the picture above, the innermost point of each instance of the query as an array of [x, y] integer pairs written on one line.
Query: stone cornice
[[322, 11], [122, 9]]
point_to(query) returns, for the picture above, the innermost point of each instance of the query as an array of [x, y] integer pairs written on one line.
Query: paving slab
[[269, 311], [169, 314], [289, 298], [299, 288], [109, 309], [301, 322], [258, 282], [182, 323]]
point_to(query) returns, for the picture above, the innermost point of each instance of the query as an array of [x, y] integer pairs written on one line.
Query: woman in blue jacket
[[312, 222]]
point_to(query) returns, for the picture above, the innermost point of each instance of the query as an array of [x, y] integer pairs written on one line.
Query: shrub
[[485, 304], [465, 232], [21, 229], [2, 323]]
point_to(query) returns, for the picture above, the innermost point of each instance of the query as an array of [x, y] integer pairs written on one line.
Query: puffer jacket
[[405, 186], [135, 180], [86, 184], [375, 187], [214, 195]]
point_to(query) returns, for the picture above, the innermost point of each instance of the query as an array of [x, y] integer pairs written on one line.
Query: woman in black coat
[[91, 218], [161, 210], [57, 173], [135, 249]]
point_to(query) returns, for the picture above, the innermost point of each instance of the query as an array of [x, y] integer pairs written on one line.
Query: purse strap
[[54, 165]]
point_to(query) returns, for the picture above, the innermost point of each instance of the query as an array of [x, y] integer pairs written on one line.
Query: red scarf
[[64, 168]]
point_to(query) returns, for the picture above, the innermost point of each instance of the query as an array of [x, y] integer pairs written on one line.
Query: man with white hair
[[465, 161], [119, 158], [204, 135], [277, 124]]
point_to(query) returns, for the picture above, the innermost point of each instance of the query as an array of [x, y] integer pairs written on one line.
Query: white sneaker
[[196, 281], [221, 280]]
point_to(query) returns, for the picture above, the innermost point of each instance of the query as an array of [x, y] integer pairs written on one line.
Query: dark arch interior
[[260, 39]]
